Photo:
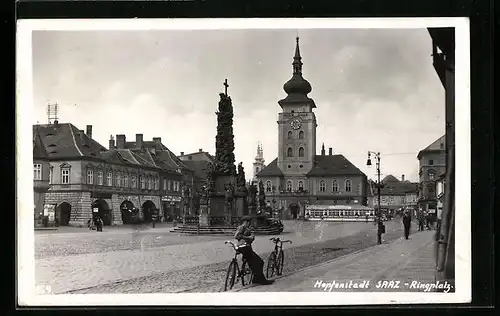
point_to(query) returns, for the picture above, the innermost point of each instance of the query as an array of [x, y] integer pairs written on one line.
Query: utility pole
[[380, 225]]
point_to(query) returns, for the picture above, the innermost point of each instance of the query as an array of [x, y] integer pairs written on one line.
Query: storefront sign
[[100, 195], [95, 209], [170, 198]]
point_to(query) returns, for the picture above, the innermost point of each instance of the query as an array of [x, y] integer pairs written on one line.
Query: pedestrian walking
[[420, 220], [407, 224], [99, 224]]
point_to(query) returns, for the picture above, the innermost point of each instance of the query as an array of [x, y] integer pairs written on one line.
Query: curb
[[354, 253]]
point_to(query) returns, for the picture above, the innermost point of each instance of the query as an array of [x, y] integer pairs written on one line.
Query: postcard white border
[[24, 161]]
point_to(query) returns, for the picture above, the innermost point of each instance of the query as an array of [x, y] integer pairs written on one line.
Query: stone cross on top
[[225, 87]]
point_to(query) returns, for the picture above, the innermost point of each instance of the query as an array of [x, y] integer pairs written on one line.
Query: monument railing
[[191, 220]]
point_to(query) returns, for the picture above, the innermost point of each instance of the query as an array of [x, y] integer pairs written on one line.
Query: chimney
[[330, 151], [111, 142], [200, 150], [323, 150], [89, 131], [182, 153], [120, 141], [403, 177], [157, 139], [138, 141], [56, 122]]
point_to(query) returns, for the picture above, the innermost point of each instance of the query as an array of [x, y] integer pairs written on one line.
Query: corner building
[[298, 176]]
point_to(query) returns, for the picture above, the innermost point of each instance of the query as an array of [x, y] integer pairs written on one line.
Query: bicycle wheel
[[230, 276], [280, 262], [246, 273], [271, 263]]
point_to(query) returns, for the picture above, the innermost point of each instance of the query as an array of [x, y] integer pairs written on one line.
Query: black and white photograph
[[311, 158]]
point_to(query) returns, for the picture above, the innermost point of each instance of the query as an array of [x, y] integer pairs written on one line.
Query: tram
[[339, 213]]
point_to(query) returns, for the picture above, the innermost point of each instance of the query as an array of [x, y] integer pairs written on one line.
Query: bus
[[339, 213]]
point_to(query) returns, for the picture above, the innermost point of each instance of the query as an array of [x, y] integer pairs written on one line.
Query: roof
[[333, 165], [39, 151], [437, 145], [392, 186], [199, 167], [198, 153], [64, 140], [271, 170]]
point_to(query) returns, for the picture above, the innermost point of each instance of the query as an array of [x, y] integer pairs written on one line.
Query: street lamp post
[[380, 226]]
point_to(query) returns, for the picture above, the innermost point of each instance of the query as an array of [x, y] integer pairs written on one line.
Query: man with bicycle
[[245, 238]]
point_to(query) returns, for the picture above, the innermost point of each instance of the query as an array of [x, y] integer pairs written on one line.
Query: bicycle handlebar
[[230, 242], [277, 240]]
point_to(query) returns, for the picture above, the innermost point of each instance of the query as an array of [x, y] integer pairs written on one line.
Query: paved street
[[156, 260], [409, 264]]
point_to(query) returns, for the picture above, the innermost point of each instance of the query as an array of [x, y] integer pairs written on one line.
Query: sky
[[375, 89]]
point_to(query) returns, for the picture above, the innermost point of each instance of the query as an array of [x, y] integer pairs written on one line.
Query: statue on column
[[262, 197], [240, 179], [229, 196], [252, 196]]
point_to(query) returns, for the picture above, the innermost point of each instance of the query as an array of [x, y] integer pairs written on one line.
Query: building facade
[[395, 195], [87, 180], [432, 163], [298, 176], [41, 167], [177, 179]]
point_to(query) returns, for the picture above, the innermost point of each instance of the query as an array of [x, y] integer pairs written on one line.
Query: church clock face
[[295, 124]]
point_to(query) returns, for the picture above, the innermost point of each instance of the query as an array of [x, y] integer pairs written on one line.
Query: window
[[431, 174], [289, 152], [169, 185], [37, 171], [134, 182], [348, 185], [269, 186], [125, 181], [90, 176], [301, 135], [300, 186], [155, 184], [149, 183], [322, 186], [164, 184], [335, 186], [431, 162], [290, 135], [143, 184], [51, 173], [110, 179], [176, 186], [118, 180], [65, 176], [257, 170], [289, 186], [301, 152], [100, 180]]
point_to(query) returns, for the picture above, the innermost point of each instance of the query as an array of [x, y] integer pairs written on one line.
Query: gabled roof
[[437, 145], [198, 153], [271, 170], [39, 151], [390, 178], [392, 187], [199, 167], [333, 165], [64, 140]]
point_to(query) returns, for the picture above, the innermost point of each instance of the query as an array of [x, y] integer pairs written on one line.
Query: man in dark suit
[[407, 223]]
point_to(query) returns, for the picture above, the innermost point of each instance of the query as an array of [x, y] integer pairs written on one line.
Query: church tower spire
[[259, 162]]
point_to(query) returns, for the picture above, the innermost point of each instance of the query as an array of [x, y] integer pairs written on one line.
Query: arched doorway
[[129, 212], [148, 209], [63, 213], [294, 210], [103, 211]]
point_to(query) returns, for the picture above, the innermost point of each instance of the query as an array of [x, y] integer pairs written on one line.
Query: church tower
[[296, 123], [259, 163]]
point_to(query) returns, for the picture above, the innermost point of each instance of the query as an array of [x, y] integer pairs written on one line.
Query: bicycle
[[234, 273], [276, 258]]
